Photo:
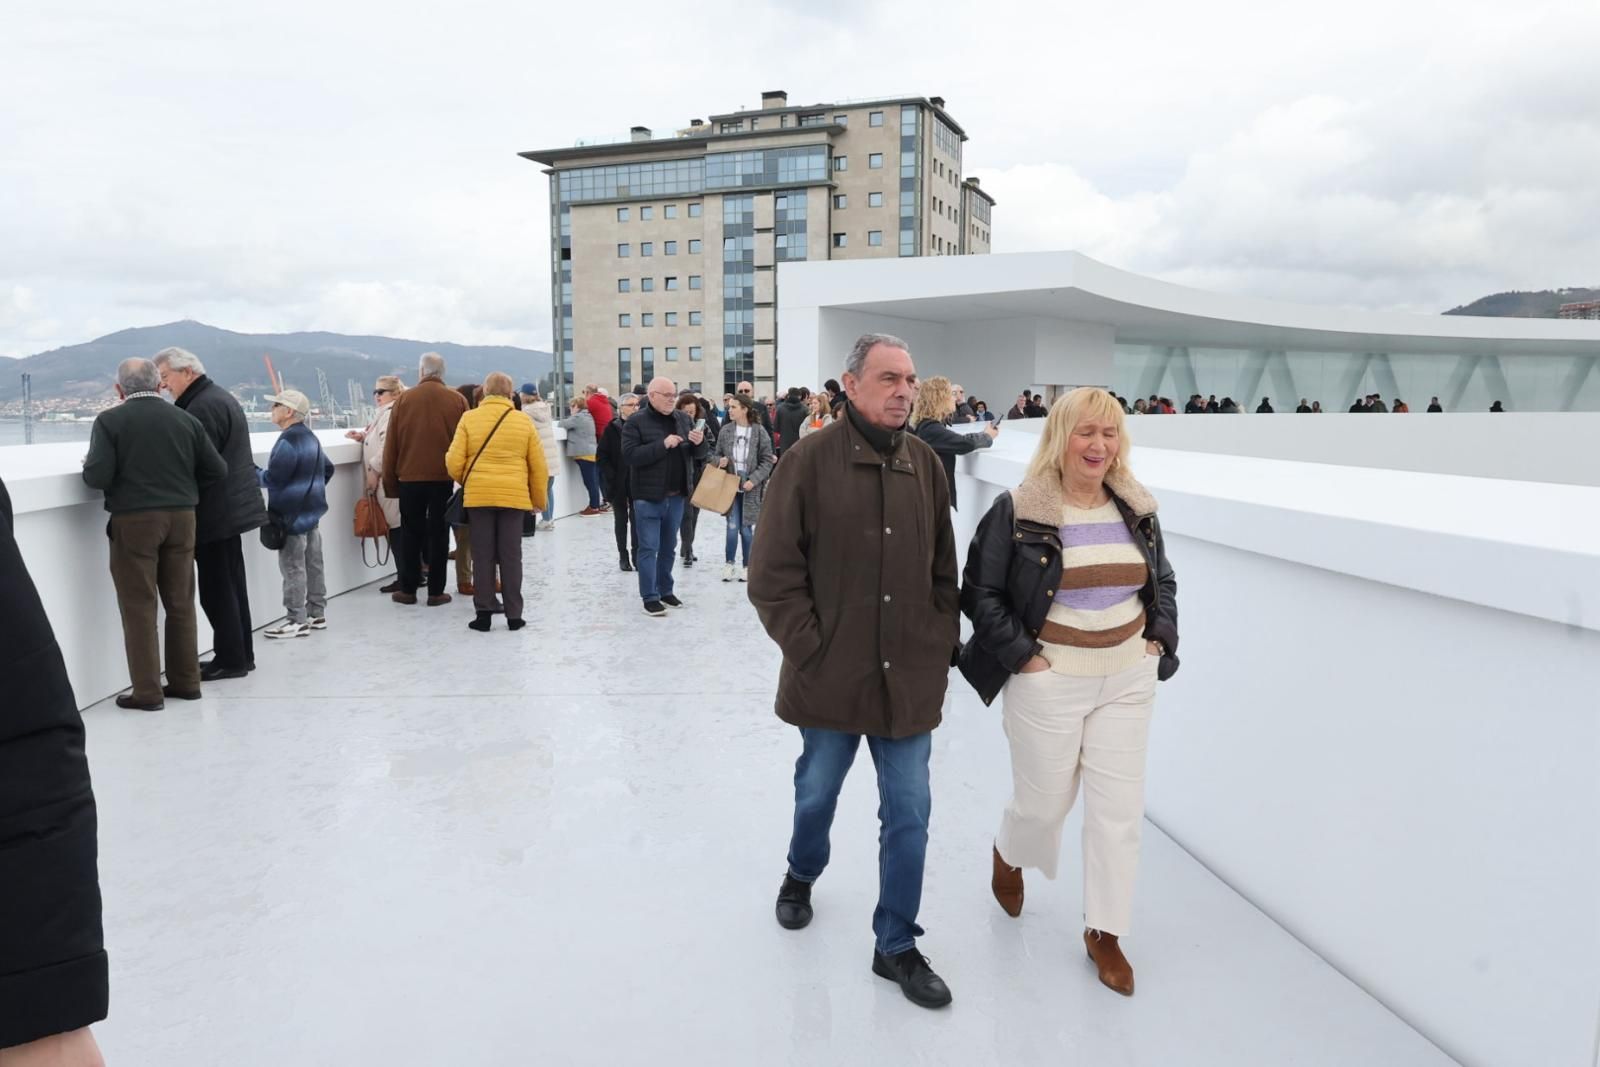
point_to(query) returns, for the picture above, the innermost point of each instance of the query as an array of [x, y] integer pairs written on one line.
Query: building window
[[647, 318], [646, 213], [694, 354], [874, 237], [647, 285], [841, 120], [816, 118], [875, 161], [838, 240], [624, 285], [694, 211], [730, 127], [694, 246], [672, 318], [625, 321], [622, 214], [694, 281], [671, 249], [840, 201], [841, 162], [647, 364], [875, 119], [670, 211], [623, 251], [625, 368], [672, 355], [694, 318], [874, 199], [647, 248], [672, 283]]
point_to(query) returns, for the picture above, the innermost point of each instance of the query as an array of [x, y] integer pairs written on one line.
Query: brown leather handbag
[[370, 523]]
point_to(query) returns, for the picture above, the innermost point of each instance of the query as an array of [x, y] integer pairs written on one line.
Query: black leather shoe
[[210, 672], [794, 903], [392, 587], [625, 564], [179, 694], [211, 665], [916, 979], [127, 701]]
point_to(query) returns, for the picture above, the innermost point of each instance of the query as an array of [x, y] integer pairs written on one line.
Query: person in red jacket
[[599, 406]]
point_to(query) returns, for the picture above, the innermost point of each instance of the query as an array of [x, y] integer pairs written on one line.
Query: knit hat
[[295, 401]]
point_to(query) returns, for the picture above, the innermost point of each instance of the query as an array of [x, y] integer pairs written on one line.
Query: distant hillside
[[1517, 305], [234, 359]]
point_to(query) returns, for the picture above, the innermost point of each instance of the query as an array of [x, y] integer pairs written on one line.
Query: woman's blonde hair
[[1080, 405], [934, 401], [392, 383], [498, 384]]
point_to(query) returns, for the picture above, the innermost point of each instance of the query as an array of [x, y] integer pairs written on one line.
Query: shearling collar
[[1039, 499]]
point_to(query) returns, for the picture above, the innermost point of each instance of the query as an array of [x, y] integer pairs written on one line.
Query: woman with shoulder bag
[[497, 458], [384, 392], [1075, 617], [745, 447]]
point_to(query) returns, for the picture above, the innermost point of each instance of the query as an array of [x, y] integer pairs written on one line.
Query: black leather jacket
[[1013, 570]]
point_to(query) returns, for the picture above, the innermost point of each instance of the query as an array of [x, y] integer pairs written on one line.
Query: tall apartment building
[[1581, 309], [663, 250]]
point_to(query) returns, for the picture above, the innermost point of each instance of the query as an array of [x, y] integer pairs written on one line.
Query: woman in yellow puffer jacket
[[506, 481]]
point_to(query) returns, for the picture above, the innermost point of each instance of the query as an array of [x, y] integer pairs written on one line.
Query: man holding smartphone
[[662, 477]]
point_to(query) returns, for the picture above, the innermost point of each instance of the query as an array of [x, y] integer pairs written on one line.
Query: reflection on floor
[[403, 842]]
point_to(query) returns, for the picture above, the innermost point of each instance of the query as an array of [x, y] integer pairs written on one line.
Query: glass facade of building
[[1461, 382], [789, 226], [910, 179], [738, 289]]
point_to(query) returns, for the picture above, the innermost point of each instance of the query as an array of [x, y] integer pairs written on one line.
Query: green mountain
[[1519, 305], [87, 371]]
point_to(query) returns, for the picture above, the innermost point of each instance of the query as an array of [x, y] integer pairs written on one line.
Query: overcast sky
[[352, 166]]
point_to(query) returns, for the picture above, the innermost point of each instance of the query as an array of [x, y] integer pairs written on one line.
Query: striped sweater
[[1095, 626]]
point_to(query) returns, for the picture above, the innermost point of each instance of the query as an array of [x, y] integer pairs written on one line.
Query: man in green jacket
[[152, 460]]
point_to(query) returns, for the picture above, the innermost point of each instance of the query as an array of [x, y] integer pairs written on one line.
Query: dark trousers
[[427, 535], [691, 515], [152, 558], [905, 803], [622, 521], [496, 535], [225, 598]]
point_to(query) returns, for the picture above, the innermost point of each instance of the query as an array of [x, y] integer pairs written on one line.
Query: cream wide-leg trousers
[[1064, 729]]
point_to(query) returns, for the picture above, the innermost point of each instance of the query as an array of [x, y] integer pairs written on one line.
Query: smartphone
[[700, 424]]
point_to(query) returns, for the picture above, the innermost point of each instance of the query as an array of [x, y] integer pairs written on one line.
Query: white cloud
[[350, 167]]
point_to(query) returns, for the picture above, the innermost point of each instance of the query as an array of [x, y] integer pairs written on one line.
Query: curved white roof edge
[[1056, 283]]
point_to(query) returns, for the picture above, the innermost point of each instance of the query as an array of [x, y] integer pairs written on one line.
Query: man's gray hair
[[178, 359], [138, 376], [857, 359], [431, 365]]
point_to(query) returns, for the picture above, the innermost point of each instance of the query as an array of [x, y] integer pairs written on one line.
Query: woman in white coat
[[538, 409], [384, 393]]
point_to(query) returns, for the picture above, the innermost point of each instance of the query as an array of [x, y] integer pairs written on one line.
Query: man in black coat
[[615, 480], [228, 509], [791, 416], [53, 968], [658, 446]]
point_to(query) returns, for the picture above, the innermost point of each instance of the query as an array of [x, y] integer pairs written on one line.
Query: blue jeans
[[591, 480], [738, 533], [904, 804], [550, 499], [657, 522]]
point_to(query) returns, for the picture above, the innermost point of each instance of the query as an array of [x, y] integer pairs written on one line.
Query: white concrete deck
[[402, 842]]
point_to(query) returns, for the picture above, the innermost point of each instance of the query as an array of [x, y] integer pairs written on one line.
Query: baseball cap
[[529, 389], [295, 401]]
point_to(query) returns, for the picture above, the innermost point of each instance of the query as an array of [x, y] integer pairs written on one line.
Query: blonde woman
[[384, 392], [820, 415], [1075, 617], [497, 458], [935, 403]]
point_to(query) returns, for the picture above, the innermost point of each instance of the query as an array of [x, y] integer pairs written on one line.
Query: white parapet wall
[[61, 523], [1386, 729]]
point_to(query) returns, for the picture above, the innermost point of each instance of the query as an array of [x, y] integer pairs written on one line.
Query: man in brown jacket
[[421, 427], [853, 574]]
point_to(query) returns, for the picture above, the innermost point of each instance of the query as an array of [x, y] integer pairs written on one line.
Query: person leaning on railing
[[936, 402], [53, 968], [1074, 618]]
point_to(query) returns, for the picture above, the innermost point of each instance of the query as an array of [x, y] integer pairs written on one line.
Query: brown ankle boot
[[1116, 973], [1007, 885]]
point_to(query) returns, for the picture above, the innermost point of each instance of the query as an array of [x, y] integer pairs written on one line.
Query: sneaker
[[744, 574], [729, 572], [288, 629], [655, 609], [549, 524], [794, 903], [319, 622], [671, 601], [605, 505], [910, 970]]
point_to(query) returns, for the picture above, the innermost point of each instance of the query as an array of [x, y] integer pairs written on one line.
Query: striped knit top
[[1095, 626]]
